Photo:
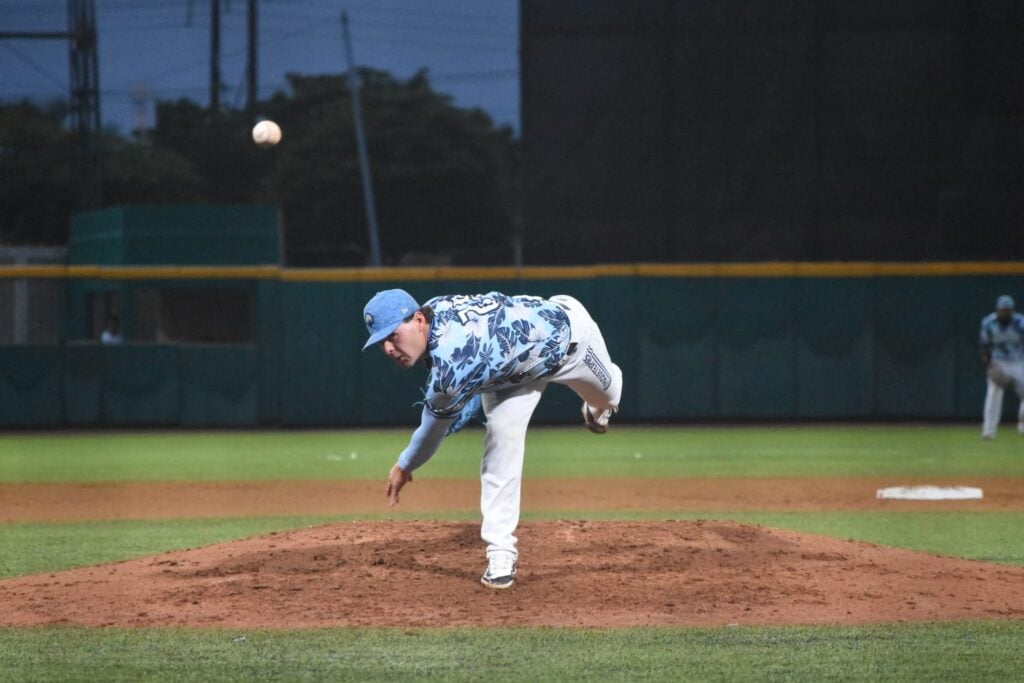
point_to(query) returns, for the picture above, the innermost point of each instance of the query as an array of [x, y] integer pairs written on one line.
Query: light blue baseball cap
[[1005, 301], [385, 311]]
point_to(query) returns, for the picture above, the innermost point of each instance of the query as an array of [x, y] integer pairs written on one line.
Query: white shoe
[[501, 570], [597, 423]]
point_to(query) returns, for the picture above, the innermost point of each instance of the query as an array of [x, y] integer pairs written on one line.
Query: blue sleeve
[[424, 441], [466, 415]]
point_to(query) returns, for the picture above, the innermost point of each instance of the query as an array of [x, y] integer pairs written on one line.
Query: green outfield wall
[[695, 342]]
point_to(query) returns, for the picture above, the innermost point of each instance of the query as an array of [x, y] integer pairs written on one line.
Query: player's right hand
[[397, 478]]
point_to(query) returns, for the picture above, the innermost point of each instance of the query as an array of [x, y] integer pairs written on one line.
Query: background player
[[500, 352], [1001, 342]]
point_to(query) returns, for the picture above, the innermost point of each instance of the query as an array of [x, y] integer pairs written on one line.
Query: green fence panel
[[311, 380], [390, 394], [219, 385], [269, 323], [835, 347], [30, 386], [176, 235], [689, 347], [83, 384], [756, 349], [140, 385], [975, 298], [915, 348], [673, 322], [326, 377]]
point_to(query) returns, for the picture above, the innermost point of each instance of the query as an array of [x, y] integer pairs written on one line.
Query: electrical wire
[[35, 67], [375, 23]]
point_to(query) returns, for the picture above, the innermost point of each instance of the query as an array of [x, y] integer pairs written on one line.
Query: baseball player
[[500, 352], [1001, 342]]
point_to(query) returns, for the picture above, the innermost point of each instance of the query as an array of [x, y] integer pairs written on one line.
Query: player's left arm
[[425, 440], [422, 446], [985, 345]]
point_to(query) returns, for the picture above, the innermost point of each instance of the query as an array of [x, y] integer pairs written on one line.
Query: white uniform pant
[[589, 371], [994, 398]]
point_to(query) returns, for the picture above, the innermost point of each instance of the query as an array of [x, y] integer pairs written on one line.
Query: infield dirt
[[571, 573]]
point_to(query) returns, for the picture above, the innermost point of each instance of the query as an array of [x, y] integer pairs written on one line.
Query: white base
[[930, 493]]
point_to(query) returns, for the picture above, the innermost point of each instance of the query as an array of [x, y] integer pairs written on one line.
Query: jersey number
[[481, 308]]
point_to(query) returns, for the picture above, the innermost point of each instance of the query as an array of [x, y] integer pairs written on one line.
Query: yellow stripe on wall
[[773, 269]]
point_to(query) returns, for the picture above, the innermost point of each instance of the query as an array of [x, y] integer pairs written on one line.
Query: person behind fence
[[497, 352], [1001, 342], [111, 331]]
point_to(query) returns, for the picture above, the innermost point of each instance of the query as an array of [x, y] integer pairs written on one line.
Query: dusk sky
[[160, 49]]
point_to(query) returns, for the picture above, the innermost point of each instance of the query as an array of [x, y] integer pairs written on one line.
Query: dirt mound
[[570, 574]]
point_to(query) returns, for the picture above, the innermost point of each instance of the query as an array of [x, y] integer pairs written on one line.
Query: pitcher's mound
[[570, 574]]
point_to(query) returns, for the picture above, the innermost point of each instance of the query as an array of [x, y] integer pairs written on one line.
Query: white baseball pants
[[993, 410], [589, 371]]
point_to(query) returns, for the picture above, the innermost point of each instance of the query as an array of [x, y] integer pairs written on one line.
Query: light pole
[[364, 157]]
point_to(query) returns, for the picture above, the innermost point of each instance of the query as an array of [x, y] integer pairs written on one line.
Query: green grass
[[834, 451], [975, 651]]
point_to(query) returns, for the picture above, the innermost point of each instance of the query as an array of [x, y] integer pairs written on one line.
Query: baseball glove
[[996, 374]]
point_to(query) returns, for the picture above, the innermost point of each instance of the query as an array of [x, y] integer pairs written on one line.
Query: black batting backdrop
[[728, 130]]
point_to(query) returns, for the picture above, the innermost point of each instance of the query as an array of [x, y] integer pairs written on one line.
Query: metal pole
[[215, 56], [251, 70], [364, 162], [85, 101]]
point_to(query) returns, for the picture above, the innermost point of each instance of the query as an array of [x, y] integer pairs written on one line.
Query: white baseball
[[266, 133]]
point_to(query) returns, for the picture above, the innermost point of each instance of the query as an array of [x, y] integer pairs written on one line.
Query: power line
[[36, 67], [389, 39], [424, 34], [450, 77]]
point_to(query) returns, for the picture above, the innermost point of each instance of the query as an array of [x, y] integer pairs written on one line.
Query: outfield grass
[[624, 452], [966, 651], [951, 651]]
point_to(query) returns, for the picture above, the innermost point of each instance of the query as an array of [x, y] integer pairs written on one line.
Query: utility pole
[[215, 56], [251, 72], [85, 100], [364, 161]]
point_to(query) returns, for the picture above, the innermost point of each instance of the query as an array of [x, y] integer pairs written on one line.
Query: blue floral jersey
[[1005, 342], [481, 343]]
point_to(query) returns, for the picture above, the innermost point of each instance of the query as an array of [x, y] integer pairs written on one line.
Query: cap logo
[[369, 319]]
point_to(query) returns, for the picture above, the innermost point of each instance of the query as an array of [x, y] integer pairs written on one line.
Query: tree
[[443, 176], [36, 158], [136, 173], [37, 189], [227, 165]]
